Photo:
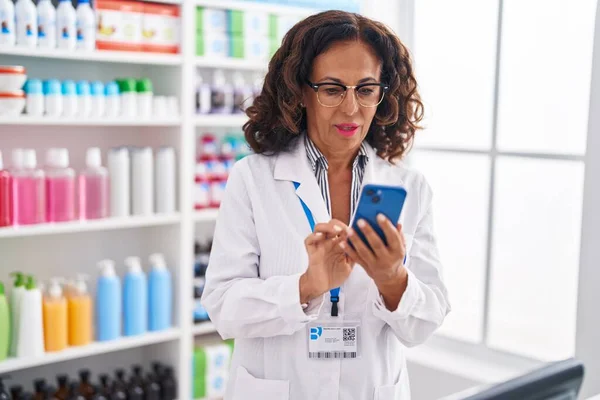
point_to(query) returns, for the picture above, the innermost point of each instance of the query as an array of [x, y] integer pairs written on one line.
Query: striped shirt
[[320, 166]]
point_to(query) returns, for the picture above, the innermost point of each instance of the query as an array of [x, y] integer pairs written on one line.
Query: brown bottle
[[63, 392], [40, 389], [85, 387]]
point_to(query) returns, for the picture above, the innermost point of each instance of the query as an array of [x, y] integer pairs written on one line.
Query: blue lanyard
[[334, 293]]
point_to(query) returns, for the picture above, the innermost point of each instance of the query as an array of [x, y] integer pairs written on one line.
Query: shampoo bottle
[[29, 194], [15, 307], [4, 325], [55, 317], [7, 21], [86, 28], [108, 302], [66, 20], [46, 24], [60, 188], [160, 294], [5, 195], [80, 313], [31, 330], [135, 298], [26, 23], [93, 187]]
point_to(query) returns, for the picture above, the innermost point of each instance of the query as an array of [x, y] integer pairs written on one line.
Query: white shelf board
[[60, 121], [203, 328], [257, 6], [176, 2], [231, 63], [15, 364], [225, 120], [127, 57], [210, 214], [106, 224]]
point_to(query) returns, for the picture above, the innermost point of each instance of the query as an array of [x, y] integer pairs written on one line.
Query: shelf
[[256, 6], [231, 63], [106, 224], [208, 215], [58, 121], [221, 121], [11, 365], [204, 328], [126, 57]]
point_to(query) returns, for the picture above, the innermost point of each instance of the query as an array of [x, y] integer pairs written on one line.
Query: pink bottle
[[93, 187], [29, 200], [5, 196], [60, 187]]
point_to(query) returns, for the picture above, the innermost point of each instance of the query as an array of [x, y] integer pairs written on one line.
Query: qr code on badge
[[349, 334]]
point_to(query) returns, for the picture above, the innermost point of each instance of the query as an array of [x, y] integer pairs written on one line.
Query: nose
[[349, 105]]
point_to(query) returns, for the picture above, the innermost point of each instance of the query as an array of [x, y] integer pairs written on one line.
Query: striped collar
[[317, 158]]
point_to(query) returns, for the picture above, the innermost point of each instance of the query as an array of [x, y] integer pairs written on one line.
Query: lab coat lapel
[[294, 166]]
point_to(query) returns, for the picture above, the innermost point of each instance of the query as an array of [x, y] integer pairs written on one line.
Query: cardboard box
[[119, 25], [211, 20], [212, 44], [247, 23], [161, 28], [250, 48]]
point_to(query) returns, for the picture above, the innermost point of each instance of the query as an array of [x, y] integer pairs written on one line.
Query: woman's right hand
[[328, 265]]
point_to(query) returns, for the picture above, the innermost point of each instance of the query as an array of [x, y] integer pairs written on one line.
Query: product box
[[211, 20], [247, 23], [119, 25], [250, 48], [161, 28], [212, 44]]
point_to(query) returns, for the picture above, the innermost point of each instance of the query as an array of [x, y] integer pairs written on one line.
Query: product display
[[6, 197], [56, 336], [165, 180], [135, 298], [66, 25], [201, 255], [211, 370], [79, 305], [108, 303], [5, 324], [93, 187], [160, 294], [31, 330]]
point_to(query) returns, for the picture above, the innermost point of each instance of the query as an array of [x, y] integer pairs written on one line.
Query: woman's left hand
[[384, 264]]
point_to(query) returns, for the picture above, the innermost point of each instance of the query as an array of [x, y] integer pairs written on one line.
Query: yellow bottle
[[80, 314], [55, 318]]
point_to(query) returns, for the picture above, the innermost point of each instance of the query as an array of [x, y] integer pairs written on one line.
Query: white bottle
[[112, 100], [69, 99], [164, 184], [8, 36], [31, 326], [142, 182], [26, 22], [118, 170], [98, 99], [19, 288], [46, 24], [66, 21], [86, 26], [84, 99]]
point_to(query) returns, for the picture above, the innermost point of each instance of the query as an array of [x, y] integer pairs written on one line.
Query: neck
[[337, 159]]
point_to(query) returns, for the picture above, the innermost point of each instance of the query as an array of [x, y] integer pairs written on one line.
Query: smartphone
[[375, 200]]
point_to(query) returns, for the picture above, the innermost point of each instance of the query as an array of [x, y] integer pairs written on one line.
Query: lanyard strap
[[333, 293]]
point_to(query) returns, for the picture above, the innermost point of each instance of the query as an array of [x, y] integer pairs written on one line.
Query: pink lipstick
[[347, 130]]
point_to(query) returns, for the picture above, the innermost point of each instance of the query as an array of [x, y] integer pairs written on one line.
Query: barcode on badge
[[332, 354], [349, 335]]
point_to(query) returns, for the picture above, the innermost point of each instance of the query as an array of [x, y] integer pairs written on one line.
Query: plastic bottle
[[6, 196], [29, 195], [93, 187], [34, 91], [84, 96], [127, 88], [31, 334], [142, 181], [135, 299], [152, 388], [168, 385], [98, 99], [80, 313], [242, 93], [70, 101], [3, 392], [55, 317], [120, 182], [40, 387], [165, 178], [112, 100], [136, 385], [85, 387], [66, 21], [86, 28], [119, 385], [15, 308], [46, 24], [203, 95], [62, 393], [160, 293], [7, 22], [60, 189], [26, 23], [144, 98], [53, 99], [221, 94], [108, 302], [5, 326]]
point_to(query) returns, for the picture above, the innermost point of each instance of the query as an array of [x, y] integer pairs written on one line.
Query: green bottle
[[4, 324]]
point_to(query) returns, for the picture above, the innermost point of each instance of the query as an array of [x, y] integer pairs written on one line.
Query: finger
[[372, 237], [353, 255], [402, 238], [329, 228], [314, 238], [392, 235], [361, 248]]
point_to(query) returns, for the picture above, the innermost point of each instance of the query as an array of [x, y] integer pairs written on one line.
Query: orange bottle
[[55, 318], [80, 313]]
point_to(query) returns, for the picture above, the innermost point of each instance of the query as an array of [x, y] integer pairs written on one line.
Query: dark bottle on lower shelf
[[16, 392], [50, 390], [152, 388], [62, 393], [136, 384], [75, 394], [168, 385], [85, 387], [99, 395], [40, 389], [119, 391]]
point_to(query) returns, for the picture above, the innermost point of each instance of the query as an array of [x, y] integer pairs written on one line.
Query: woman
[[339, 108]]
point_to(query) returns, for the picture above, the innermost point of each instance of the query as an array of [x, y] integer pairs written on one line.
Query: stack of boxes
[[211, 370], [250, 35]]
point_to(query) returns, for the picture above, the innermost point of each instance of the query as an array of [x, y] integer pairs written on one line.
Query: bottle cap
[[83, 2], [1, 288], [54, 289], [157, 261], [17, 158], [30, 285], [19, 278], [62, 158], [34, 86], [133, 264], [68, 87], [52, 86], [107, 268], [51, 157], [127, 85], [39, 385], [144, 86], [83, 87], [29, 159], [79, 285], [97, 88], [111, 89], [93, 157]]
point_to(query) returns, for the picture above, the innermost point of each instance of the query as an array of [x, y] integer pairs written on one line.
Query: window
[[506, 89]]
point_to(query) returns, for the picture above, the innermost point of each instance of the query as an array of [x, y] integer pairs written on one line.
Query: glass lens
[[369, 95], [331, 95]]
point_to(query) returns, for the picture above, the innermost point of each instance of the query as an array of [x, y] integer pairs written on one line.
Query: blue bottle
[[108, 303], [160, 294], [135, 299]]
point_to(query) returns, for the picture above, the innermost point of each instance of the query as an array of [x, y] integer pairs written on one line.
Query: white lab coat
[[252, 286]]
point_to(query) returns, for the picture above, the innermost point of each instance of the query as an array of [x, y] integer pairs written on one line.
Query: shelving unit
[[59, 121], [255, 6], [223, 121], [207, 215], [125, 57], [230, 63], [203, 328]]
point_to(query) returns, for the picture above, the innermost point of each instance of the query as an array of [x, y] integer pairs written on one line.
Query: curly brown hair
[[276, 118]]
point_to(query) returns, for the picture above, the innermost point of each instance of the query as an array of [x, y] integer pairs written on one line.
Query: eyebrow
[[363, 80]]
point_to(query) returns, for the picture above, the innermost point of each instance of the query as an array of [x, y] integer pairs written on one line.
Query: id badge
[[331, 339]]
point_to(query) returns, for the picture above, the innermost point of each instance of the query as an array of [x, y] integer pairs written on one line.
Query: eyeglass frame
[[315, 86]]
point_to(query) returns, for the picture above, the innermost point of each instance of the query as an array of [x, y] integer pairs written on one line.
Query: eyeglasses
[[331, 94]]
